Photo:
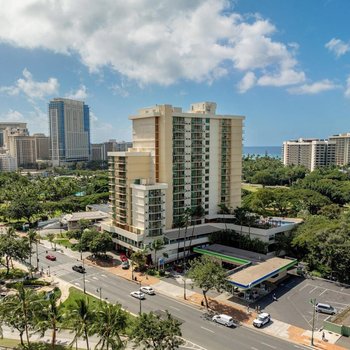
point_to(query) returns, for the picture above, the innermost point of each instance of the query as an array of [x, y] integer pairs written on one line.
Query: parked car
[[123, 257], [224, 319], [51, 257], [325, 308], [125, 265], [147, 290], [262, 319], [79, 268], [138, 295]]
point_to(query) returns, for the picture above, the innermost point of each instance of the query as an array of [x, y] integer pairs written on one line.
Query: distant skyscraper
[[69, 131], [342, 148]]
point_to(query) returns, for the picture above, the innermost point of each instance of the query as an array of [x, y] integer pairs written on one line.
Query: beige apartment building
[[311, 153], [179, 160], [342, 148]]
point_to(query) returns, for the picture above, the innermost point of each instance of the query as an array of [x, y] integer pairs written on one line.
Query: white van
[[325, 308], [224, 319]]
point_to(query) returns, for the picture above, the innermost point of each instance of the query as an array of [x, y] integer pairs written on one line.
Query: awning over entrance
[[253, 275]]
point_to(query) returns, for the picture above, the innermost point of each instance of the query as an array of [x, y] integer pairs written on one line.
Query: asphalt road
[[200, 334]]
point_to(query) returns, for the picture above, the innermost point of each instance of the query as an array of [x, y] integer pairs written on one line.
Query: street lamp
[[49, 270], [99, 289], [83, 275], [140, 300], [184, 279], [313, 302]]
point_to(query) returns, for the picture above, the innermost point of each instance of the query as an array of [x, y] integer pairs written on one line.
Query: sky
[[285, 65]]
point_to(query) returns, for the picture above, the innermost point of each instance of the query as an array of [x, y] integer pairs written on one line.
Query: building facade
[[23, 149], [12, 126], [42, 143], [342, 148], [7, 162], [69, 123], [179, 161], [311, 153]]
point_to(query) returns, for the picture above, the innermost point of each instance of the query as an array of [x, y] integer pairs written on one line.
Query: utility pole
[[84, 276], [140, 301], [184, 278], [37, 255], [313, 302]]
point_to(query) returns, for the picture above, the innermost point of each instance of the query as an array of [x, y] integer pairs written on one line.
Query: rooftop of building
[[85, 215]]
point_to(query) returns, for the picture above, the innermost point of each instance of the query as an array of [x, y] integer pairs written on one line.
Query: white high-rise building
[[342, 148], [311, 153], [69, 131], [179, 160]]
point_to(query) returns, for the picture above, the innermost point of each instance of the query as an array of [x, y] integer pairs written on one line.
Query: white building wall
[[214, 170]]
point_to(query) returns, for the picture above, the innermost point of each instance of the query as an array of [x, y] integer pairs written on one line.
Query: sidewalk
[[219, 304]]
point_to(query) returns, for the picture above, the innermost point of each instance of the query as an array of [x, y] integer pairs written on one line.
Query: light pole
[[313, 302], [49, 270], [37, 255], [184, 278], [140, 301], [83, 275], [99, 289]]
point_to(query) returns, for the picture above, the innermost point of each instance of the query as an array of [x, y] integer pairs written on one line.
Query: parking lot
[[294, 301]]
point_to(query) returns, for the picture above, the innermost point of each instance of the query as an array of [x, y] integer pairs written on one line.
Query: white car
[[262, 319], [137, 294], [147, 290], [224, 319]]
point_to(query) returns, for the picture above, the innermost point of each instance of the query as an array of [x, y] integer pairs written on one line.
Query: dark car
[[79, 268]]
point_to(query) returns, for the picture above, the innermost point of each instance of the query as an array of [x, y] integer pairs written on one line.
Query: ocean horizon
[[272, 151]]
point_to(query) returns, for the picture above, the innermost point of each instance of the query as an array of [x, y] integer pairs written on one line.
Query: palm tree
[[80, 318], [179, 224], [157, 245], [32, 237], [224, 210], [111, 322], [240, 214], [49, 318], [197, 214], [186, 217], [50, 236]]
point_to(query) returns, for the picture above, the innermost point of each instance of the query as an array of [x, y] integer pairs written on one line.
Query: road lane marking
[[175, 308], [312, 290], [77, 283], [298, 347], [335, 302], [209, 330], [87, 280], [103, 275], [95, 278], [322, 292], [253, 348], [268, 345]]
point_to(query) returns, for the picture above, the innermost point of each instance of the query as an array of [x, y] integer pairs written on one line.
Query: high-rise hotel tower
[[178, 161], [69, 131]]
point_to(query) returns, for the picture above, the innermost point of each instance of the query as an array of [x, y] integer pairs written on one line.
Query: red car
[[51, 257], [123, 257]]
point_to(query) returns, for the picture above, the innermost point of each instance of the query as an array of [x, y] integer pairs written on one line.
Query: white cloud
[[80, 94], [314, 88], [347, 89], [247, 82], [12, 116], [36, 119], [338, 47], [154, 41], [102, 131], [31, 88]]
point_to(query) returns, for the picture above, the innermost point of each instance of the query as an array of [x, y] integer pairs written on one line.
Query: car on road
[[125, 265], [262, 319], [79, 268], [50, 257], [138, 295], [147, 290], [224, 319], [325, 308]]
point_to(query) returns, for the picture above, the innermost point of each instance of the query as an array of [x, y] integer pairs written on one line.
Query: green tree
[[80, 317], [151, 331], [197, 214], [207, 274], [110, 324], [49, 317], [139, 258], [156, 246], [13, 247], [101, 243]]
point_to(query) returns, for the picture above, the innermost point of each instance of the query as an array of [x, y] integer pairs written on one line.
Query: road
[[199, 333]]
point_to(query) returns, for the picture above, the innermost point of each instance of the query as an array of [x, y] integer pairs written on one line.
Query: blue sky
[[285, 65]]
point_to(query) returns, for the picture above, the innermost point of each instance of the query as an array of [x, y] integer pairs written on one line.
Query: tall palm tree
[[186, 218], [224, 210], [197, 214], [80, 318], [110, 324], [157, 245], [32, 237], [49, 317]]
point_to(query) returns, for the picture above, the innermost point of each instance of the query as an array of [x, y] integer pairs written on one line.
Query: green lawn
[[63, 241], [75, 294], [251, 187], [15, 343]]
